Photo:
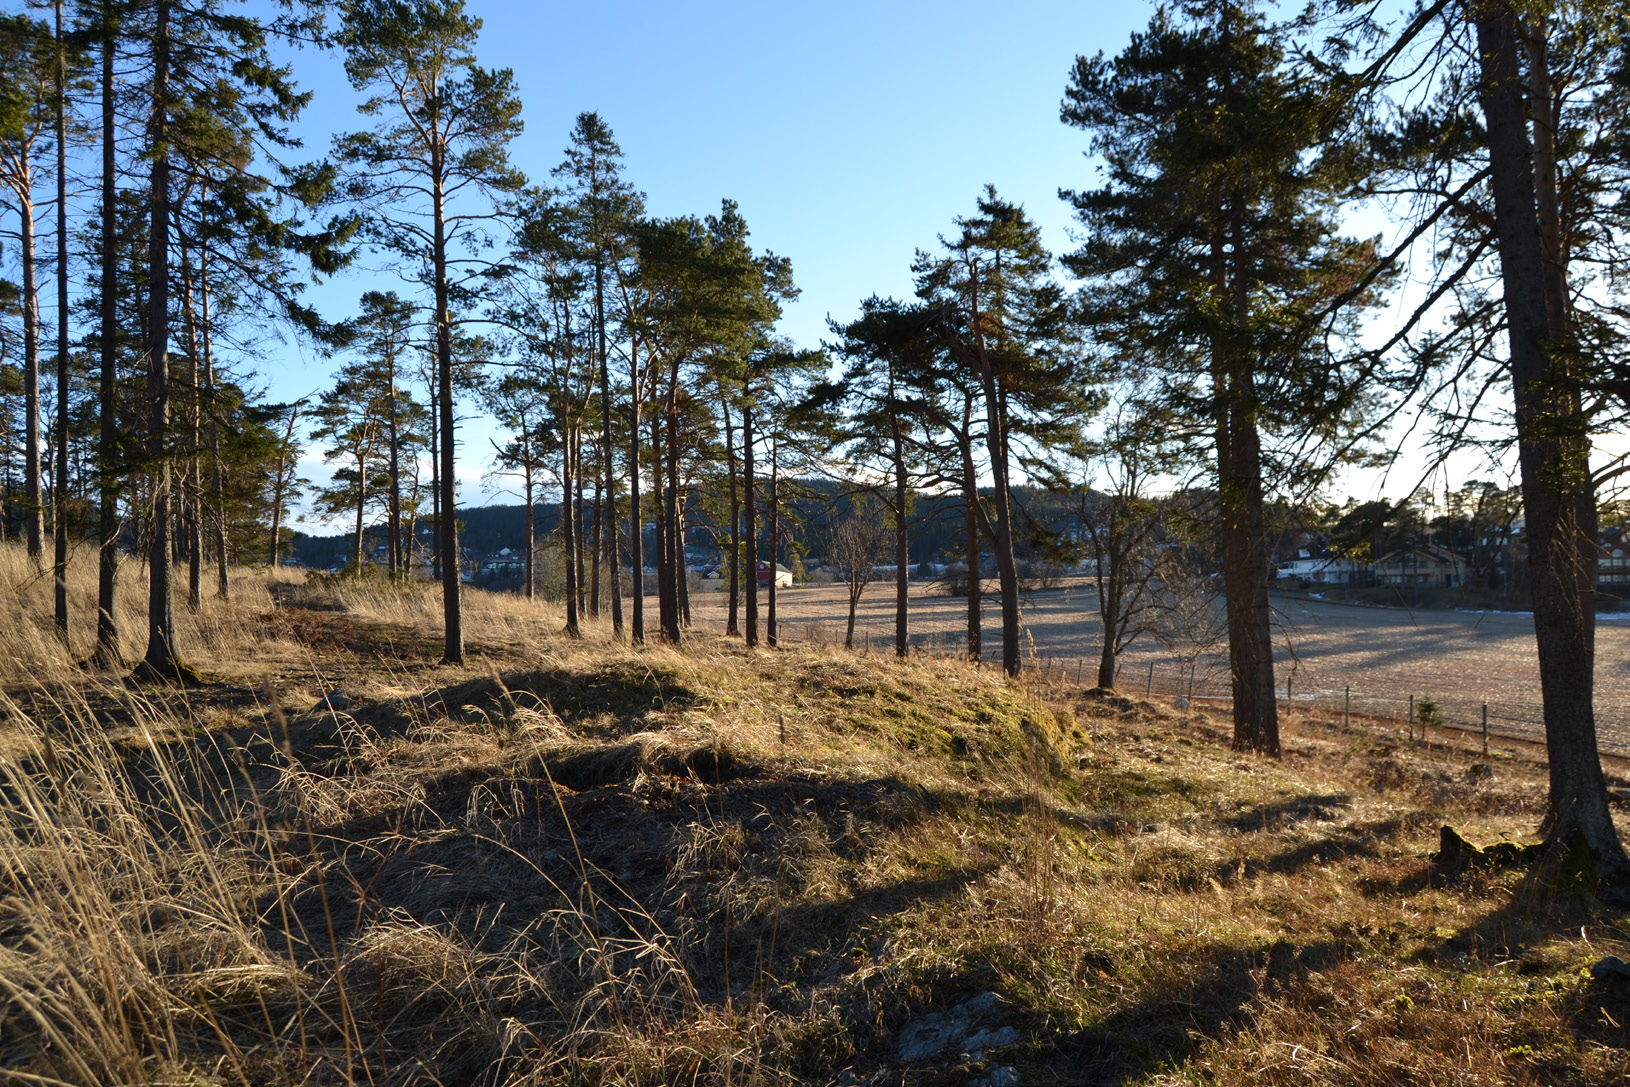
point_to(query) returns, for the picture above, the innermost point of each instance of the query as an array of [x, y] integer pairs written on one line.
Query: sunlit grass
[[573, 861]]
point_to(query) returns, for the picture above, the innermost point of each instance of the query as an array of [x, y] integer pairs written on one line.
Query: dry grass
[[574, 862], [220, 632]]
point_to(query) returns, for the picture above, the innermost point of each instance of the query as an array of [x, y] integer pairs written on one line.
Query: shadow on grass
[[617, 695], [1288, 813], [1354, 840], [1167, 1025]]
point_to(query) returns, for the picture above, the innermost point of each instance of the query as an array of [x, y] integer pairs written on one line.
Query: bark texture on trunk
[[732, 623], [107, 478], [597, 545], [531, 534], [435, 481], [636, 515], [674, 551], [393, 529], [996, 446], [1245, 570], [608, 515], [902, 574], [568, 534], [771, 635], [160, 659], [33, 497], [191, 511], [1109, 605], [749, 523], [971, 515], [1553, 455], [223, 586], [59, 492], [1007, 573], [447, 523]]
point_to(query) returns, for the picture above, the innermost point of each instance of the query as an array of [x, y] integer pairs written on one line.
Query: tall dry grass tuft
[[32, 652], [162, 916], [125, 902], [578, 862]]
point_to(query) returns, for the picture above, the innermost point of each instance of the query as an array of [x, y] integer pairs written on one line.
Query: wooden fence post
[[1347, 707], [1485, 729], [1149, 691]]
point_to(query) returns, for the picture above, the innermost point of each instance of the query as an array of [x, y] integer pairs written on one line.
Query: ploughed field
[[1460, 660]]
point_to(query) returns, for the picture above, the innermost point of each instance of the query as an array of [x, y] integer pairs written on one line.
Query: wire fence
[[1301, 690]]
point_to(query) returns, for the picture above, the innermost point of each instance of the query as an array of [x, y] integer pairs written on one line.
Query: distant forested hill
[[936, 533]]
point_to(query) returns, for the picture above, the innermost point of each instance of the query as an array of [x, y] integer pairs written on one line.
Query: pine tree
[[519, 405], [1003, 318], [873, 423], [27, 75], [1512, 135], [707, 300], [107, 443], [603, 209], [443, 125], [283, 484], [68, 65], [350, 417], [546, 308], [383, 333], [1522, 111], [215, 98], [1210, 255]]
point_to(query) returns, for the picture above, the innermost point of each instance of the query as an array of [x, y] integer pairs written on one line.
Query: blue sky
[[851, 134]]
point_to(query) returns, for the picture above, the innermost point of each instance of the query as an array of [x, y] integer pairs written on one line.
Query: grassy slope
[[571, 862]]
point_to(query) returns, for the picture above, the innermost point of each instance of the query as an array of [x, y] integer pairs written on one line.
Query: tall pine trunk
[[659, 503], [107, 476], [672, 558], [608, 516], [1555, 464], [770, 632], [732, 626], [280, 484], [636, 517], [1245, 570], [568, 533], [223, 586], [582, 527], [435, 483], [1002, 531], [971, 517], [59, 492], [33, 499], [531, 528], [191, 515], [1007, 574], [1109, 604], [393, 527], [161, 658], [597, 544], [902, 543], [447, 523], [749, 523]]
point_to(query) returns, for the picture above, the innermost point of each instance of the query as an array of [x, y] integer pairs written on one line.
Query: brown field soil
[[1461, 660]]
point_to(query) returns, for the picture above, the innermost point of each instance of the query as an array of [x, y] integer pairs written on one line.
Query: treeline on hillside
[[1215, 333], [811, 507]]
